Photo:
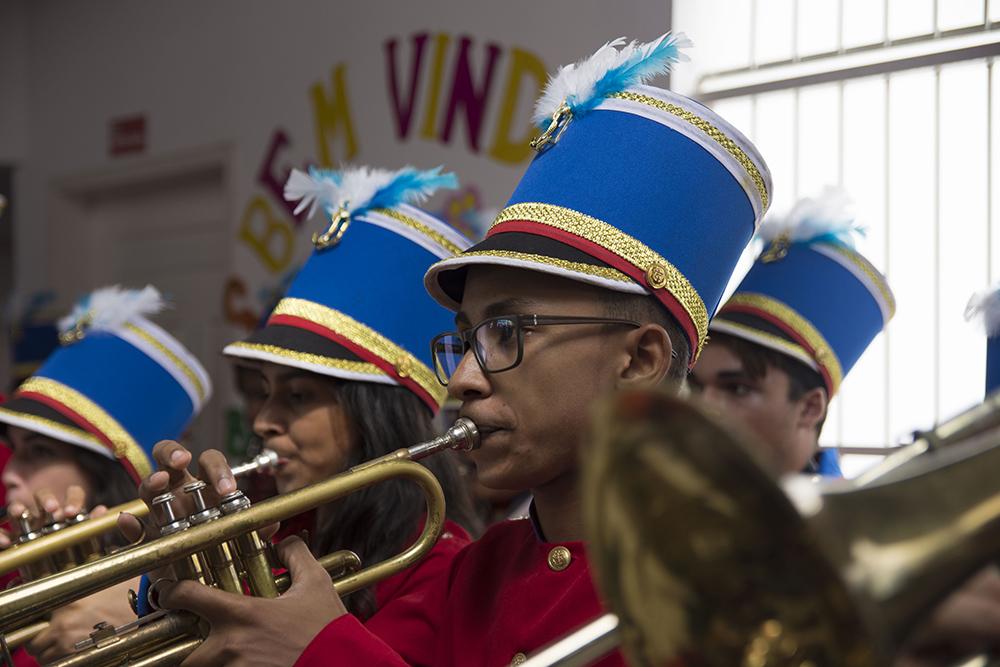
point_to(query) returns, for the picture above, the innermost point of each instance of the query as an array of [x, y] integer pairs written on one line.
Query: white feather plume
[[582, 85], [576, 79], [311, 189], [360, 189], [110, 307], [359, 185], [826, 217], [984, 307]]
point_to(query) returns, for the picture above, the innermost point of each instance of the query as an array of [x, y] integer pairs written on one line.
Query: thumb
[[130, 527], [303, 568], [214, 605]]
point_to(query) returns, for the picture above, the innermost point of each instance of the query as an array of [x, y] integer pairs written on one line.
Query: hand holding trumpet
[[74, 621], [244, 629]]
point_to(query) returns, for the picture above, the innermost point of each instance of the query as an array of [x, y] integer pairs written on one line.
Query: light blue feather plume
[[361, 189], [826, 218], [411, 186], [585, 84]]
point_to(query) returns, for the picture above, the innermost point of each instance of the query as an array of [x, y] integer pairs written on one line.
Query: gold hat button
[[404, 367], [559, 558], [518, 659], [656, 276]]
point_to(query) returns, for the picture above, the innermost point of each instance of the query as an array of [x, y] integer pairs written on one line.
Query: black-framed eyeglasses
[[498, 343]]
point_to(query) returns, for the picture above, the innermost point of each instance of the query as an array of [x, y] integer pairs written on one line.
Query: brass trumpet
[[62, 545], [57, 542], [704, 558], [200, 549]]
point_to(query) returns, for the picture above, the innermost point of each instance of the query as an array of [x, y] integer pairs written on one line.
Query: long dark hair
[[380, 520], [111, 483]]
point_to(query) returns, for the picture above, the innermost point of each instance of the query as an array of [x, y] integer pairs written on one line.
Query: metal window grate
[[901, 113]]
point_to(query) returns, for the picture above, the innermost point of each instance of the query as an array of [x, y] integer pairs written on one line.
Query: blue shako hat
[[985, 306], [357, 309], [117, 385], [635, 189], [810, 294]]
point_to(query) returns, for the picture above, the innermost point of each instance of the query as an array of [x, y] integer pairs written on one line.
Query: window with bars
[[897, 102]]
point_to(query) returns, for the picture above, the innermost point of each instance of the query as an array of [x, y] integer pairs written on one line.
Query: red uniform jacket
[[505, 596]]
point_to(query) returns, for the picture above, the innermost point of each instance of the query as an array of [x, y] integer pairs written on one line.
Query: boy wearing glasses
[[601, 273]]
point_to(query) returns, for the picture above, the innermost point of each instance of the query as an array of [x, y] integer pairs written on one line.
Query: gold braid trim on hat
[[714, 133], [42, 422], [723, 325], [348, 365], [173, 358], [418, 226], [605, 272], [614, 240], [124, 445], [800, 326], [405, 363]]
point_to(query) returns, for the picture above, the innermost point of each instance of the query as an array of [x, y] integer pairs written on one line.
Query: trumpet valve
[[202, 513], [41, 567], [217, 560], [234, 502], [252, 550], [169, 522], [89, 550], [27, 532], [51, 524]]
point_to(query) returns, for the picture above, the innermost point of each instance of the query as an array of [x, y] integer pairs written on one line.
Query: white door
[[167, 229]]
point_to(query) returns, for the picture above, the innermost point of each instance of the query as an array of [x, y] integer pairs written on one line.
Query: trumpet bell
[[703, 558]]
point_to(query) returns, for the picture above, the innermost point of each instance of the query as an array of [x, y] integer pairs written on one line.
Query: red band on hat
[[83, 424], [598, 251], [362, 352], [788, 330]]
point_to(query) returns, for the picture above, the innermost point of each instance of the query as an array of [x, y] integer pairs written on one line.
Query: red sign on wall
[[127, 135]]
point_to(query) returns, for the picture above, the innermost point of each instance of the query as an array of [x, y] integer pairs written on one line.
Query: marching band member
[[82, 427], [781, 345], [347, 377], [796, 325], [601, 273]]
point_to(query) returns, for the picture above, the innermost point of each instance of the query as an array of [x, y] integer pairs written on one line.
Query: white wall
[[231, 72], [13, 80]]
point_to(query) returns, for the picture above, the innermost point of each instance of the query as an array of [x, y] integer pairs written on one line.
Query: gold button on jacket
[[559, 558]]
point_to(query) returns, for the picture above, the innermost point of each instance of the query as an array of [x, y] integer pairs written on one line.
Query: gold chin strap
[[340, 220]]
